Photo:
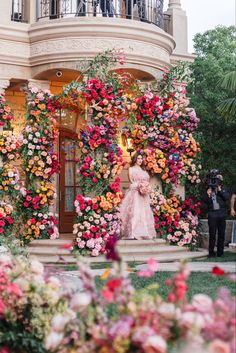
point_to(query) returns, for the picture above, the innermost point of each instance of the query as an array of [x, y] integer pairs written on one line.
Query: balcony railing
[[18, 11], [150, 11]]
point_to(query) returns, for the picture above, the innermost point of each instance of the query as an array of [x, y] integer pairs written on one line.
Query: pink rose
[[202, 303], [144, 188], [218, 346]]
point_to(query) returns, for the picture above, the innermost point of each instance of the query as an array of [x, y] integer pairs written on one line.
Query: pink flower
[[153, 265], [155, 344], [2, 307], [218, 346], [95, 252], [202, 303]]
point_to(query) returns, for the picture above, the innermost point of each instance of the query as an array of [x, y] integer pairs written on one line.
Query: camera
[[213, 179]]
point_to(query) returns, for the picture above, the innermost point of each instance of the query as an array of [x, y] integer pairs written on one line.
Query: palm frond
[[229, 82], [227, 109]]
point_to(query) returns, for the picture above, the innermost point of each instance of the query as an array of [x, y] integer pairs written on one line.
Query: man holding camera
[[216, 198]]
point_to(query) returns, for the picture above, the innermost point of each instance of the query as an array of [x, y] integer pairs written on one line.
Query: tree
[[215, 50], [227, 108]]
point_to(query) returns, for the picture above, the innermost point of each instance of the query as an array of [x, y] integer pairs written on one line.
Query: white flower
[[155, 344], [59, 321], [80, 300], [36, 267], [34, 89], [53, 340]]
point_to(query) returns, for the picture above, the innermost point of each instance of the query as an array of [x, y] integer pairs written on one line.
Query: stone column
[[4, 84], [40, 84], [6, 12], [178, 26], [31, 11]]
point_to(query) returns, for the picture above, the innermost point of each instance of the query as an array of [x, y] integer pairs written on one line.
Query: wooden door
[[69, 183]]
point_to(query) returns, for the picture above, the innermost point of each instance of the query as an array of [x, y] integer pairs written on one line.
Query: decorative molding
[[64, 49]]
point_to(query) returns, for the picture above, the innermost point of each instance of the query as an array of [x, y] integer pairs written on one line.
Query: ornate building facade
[[44, 43]]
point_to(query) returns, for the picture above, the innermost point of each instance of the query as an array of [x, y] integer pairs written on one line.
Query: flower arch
[[158, 122]]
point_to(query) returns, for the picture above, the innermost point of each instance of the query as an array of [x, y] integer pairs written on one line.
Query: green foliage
[[215, 51], [227, 108]]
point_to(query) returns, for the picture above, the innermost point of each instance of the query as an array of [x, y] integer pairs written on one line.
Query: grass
[[97, 266], [228, 257], [198, 282]]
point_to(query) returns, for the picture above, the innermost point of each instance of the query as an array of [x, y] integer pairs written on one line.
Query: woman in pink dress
[[137, 220]]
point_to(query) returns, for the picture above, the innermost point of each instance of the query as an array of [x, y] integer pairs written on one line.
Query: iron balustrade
[[18, 11], [150, 11]]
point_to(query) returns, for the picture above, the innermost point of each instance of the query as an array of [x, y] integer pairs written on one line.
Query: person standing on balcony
[[129, 4], [107, 8], [81, 7]]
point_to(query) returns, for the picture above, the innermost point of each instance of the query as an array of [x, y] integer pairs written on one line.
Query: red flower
[[114, 284], [67, 246], [217, 271], [9, 219]]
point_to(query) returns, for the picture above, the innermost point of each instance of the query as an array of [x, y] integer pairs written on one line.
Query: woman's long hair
[[134, 158]]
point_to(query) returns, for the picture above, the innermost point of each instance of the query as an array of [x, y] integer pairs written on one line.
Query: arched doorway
[[69, 151]]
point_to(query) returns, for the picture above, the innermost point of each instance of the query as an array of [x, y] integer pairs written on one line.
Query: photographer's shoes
[[211, 255]]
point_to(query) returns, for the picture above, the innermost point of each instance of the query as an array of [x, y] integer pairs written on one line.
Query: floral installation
[[176, 220], [142, 321], [9, 146], [44, 315], [9, 175], [5, 113], [106, 105], [9, 180], [40, 163], [6, 219], [98, 219], [29, 300], [164, 126]]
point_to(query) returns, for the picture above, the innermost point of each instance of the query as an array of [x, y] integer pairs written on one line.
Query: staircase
[[51, 252]]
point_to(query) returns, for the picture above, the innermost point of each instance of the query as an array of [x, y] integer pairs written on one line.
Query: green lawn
[[198, 283], [228, 257]]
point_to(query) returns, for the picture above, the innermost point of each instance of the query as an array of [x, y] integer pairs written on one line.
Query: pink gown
[[137, 220]]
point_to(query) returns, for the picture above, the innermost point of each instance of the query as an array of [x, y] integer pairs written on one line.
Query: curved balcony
[[150, 11], [62, 33]]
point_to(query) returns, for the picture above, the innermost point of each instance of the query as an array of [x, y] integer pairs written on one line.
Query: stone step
[[121, 243], [146, 250], [161, 257]]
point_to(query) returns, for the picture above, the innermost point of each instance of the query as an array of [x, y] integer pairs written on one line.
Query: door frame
[[66, 219]]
